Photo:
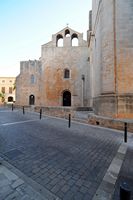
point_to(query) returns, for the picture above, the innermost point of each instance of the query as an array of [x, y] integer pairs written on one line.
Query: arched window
[[66, 73], [32, 79], [74, 39], [59, 40], [67, 33]]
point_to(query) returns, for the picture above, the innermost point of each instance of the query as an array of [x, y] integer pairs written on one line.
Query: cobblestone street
[[69, 163]]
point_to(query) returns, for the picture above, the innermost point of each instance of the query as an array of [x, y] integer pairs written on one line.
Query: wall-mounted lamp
[[83, 77], [92, 35]]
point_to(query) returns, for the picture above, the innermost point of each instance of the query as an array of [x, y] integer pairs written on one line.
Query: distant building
[[7, 89], [60, 77], [28, 83]]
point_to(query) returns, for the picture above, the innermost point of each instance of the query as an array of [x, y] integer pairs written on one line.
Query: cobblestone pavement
[[13, 187], [70, 163]]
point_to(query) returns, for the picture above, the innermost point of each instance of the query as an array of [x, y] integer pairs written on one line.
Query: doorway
[[66, 98], [31, 99], [10, 99]]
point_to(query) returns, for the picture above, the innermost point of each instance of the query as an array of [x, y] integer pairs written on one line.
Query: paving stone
[[67, 177], [49, 187], [25, 197], [52, 176], [53, 182], [11, 176], [55, 189], [5, 191], [62, 182], [13, 196], [71, 182], [79, 183], [60, 194], [78, 196], [83, 189], [69, 195], [46, 181], [88, 197], [17, 183], [65, 188], [19, 190], [3, 180], [74, 189]]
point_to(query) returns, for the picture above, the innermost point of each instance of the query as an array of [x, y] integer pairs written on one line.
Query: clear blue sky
[[27, 24]]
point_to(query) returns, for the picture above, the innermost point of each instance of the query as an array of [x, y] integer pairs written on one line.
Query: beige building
[[60, 77], [111, 57], [7, 91]]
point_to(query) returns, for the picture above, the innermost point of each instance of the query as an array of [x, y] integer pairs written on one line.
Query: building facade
[[60, 77], [7, 89], [28, 83], [111, 57], [97, 73]]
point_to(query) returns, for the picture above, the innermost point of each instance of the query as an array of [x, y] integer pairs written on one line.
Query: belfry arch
[[67, 33], [75, 41], [59, 40]]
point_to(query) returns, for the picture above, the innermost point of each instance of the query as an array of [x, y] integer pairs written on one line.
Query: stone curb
[[106, 189]]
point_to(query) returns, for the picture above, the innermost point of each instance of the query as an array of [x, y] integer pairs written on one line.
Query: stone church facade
[[96, 73], [111, 57], [60, 77]]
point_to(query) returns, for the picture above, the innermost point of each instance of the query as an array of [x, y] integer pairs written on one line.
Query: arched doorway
[[31, 99], [10, 99], [66, 98]]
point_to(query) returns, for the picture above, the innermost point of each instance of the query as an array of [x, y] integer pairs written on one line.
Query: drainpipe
[[83, 87]]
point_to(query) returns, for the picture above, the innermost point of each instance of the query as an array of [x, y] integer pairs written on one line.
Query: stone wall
[[114, 106], [125, 106], [56, 111], [28, 82], [102, 44], [111, 123], [63, 112], [105, 105], [112, 57], [124, 46]]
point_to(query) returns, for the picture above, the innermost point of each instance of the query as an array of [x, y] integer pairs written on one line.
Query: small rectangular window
[[66, 73], [32, 79], [3, 89], [10, 90]]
